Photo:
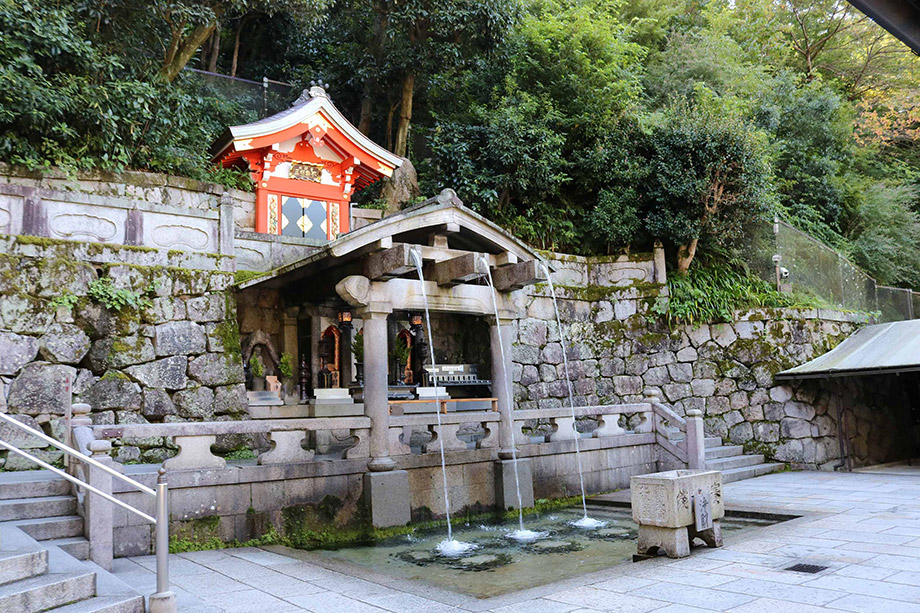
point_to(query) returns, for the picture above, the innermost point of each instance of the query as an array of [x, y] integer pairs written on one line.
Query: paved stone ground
[[864, 526]]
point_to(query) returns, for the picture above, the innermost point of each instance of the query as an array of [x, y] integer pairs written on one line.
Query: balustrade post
[[696, 440], [164, 600], [99, 512]]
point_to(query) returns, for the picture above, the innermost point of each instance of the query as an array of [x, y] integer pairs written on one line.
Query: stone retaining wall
[[726, 370], [171, 356]]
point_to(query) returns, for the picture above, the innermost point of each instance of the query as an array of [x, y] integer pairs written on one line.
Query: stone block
[[552, 353], [799, 410], [741, 433], [676, 391], [14, 461], [532, 332], [636, 364], [723, 334], [41, 388], [790, 451], [526, 354], [717, 405], [738, 400], [180, 338], [752, 412], [624, 385], [661, 358], [16, 350], [703, 388], [705, 369], [387, 496], [64, 344], [656, 376], [687, 354], [766, 432], [508, 484], [781, 393], [699, 335], [19, 437], [206, 308], [230, 399], [167, 373], [612, 367], [195, 403], [215, 369], [157, 403], [681, 373], [791, 427]]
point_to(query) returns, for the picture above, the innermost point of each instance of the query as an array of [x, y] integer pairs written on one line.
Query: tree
[[709, 176], [189, 23]]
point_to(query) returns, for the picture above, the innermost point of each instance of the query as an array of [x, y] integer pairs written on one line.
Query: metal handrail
[[160, 522], [74, 452]]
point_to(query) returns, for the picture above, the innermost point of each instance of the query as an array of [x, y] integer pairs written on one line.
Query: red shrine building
[[306, 163]]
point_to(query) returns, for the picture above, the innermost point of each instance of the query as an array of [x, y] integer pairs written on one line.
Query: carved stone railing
[[401, 427], [667, 426], [194, 439], [607, 416]]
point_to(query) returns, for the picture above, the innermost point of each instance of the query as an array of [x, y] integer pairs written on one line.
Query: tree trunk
[[405, 114], [236, 46], [390, 126], [181, 51], [367, 107], [685, 255], [215, 50], [378, 50]]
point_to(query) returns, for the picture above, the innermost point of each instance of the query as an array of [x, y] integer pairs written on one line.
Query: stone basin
[[663, 506]]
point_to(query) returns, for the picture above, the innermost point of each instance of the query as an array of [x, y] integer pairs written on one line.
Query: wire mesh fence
[[798, 262], [264, 98]]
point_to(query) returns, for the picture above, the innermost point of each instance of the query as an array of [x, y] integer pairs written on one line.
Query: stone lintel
[[462, 269], [391, 262], [506, 259], [517, 276]]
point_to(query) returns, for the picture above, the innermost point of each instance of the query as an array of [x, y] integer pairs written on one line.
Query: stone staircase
[[734, 463], [43, 553]]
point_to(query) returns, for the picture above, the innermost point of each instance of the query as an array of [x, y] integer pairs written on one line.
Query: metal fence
[[265, 97], [798, 262]]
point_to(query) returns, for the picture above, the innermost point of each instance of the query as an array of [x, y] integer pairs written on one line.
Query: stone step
[[712, 441], [47, 591], [723, 451], [52, 527], [16, 565], [76, 546], [16, 485], [737, 461], [105, 604], [748, 472], [13, 509]]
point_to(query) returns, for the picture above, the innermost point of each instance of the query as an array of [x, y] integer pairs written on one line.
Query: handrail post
[[99, 512], [696, 440], [163, 601]]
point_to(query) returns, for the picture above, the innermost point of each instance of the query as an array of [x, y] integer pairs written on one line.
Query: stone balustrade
[[401, 427], [194, 439], [607, 416]]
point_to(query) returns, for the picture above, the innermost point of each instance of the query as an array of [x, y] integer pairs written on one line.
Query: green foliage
[[286, 365], [256, 367], [66, 300], [710, 175], [712, 293], [401, 350], [889, 235], [103, 291], [357, 346]]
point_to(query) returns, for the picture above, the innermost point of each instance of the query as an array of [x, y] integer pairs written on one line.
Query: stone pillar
[[376, 404], [696, 440], [99, 511], [661, 275], [500, 332]]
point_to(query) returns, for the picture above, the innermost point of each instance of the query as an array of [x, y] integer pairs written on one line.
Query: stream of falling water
[[585, 522], [520, 534], [448, 547]]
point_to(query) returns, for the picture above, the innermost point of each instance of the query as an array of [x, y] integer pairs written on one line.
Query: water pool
[[499, 565]]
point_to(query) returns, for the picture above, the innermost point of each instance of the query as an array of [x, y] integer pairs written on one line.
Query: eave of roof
[[299, 114], [887, 348], [431, 213]]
